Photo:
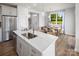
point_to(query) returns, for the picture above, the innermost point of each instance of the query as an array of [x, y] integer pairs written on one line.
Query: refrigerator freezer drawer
[[5, 36]]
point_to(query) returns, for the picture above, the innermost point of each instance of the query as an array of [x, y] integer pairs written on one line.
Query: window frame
[[56, 17]]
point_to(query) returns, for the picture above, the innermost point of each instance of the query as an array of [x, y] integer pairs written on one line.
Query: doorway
[[33, 21]]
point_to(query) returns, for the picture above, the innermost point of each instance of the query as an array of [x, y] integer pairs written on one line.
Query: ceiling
[[45, 6]]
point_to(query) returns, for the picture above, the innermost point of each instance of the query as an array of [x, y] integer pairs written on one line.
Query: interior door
[[35, 21]]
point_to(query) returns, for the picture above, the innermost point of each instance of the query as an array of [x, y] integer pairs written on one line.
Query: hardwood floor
[[65, 46], [8, 48]]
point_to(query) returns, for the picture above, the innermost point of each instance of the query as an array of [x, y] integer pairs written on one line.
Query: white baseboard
[[77, 45], [70, 34]]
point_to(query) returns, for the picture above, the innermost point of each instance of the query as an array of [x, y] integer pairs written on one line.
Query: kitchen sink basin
[[29, 35]]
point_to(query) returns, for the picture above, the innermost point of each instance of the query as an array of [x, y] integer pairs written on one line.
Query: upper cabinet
[[8, 10]]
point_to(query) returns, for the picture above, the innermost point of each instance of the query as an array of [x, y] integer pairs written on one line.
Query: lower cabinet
[[34, 52], [19, 47], [25, 49], [0, 35], [22, 47]]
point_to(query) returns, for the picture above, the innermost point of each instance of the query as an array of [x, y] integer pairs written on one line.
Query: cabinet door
[[13, 11], [25, 49], [19, 47], [0, 35], [7, 10], [22, 47], [34, 52]]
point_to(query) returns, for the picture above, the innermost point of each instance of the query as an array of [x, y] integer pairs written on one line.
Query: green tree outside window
[[53, 19]]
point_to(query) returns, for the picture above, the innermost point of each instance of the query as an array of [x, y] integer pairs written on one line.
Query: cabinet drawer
[[34, 52]]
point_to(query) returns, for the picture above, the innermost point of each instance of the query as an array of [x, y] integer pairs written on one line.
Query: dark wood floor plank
[[8, 48]]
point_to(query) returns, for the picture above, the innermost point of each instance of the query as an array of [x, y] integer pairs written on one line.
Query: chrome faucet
[[33, 30]]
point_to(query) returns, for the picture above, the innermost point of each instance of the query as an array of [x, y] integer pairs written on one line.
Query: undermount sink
[[29, 35]]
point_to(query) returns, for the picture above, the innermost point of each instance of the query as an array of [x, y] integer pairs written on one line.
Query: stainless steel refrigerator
[[8, 26]]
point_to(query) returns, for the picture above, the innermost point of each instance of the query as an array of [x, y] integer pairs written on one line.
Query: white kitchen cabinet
[[0, 35], [34, 52], [32, 47], [22, 47], [42, 45], [19, 47], [7, 10], [25, 49], [13, 11]]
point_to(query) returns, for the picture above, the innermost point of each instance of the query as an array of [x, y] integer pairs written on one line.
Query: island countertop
[[41, 42]]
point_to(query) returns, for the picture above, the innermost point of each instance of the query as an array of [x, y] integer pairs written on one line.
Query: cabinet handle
[[20, 45], [33, 51], [32, 55]]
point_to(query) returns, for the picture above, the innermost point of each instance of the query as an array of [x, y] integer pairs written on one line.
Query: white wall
[[70, 21], [46, 18], [44, 7], [77, 20], [77, 26], [58, 6], [23, 10], [22, 17], [41, 19]]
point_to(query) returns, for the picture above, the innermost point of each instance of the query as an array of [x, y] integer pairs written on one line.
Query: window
[[59, 19], [53, 18], [56, 18]]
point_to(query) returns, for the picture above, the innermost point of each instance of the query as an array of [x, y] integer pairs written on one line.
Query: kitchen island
[[41, 45]]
